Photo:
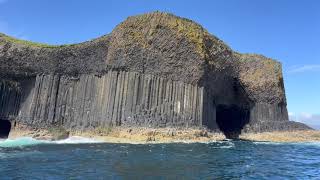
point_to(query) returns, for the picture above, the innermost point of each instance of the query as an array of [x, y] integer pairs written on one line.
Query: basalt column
[[116, 98], [9, 99], [9, 105]]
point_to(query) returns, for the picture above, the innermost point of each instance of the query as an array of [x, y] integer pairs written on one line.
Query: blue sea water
[[78, 158]]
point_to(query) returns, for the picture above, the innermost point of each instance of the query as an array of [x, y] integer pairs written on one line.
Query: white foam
[[23, 141], [76, 140], [268, 143], [226, 145], [28, 141]]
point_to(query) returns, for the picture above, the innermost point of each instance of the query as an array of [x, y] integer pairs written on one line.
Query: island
[[155, 77]]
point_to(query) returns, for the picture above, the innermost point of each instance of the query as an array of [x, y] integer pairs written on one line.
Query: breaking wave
[[77, 140], [23, 141], [29, 141]]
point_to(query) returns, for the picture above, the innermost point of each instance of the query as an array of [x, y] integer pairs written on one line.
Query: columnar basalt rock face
[[153, 70], [116, 98], [9, 100]]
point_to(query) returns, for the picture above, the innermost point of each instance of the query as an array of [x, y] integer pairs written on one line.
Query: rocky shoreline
[[164, 135]]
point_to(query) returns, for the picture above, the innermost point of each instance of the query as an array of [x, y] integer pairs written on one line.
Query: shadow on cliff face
[[231, 119], [5, 127]]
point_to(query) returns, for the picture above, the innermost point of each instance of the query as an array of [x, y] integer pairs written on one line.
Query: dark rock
[[58, 133], [204, 133], [153, 70]]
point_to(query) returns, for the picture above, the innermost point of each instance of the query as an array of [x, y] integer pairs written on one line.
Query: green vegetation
[[137, 26], [194, 32], [30, 43], [5, 38], [10, 39]]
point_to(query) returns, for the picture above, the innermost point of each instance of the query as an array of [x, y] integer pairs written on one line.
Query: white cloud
[[291, 114], [307, 118], [304, 68], [307, 115]]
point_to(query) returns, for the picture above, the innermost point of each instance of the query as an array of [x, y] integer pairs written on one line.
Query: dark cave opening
[[5, 127], [231, 119]]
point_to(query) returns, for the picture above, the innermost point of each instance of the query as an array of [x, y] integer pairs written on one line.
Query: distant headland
[[155, 71]]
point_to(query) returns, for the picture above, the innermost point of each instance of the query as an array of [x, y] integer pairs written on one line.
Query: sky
[[285, 30]]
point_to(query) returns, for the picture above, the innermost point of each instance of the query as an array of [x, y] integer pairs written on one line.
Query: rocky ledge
[[153, 70]]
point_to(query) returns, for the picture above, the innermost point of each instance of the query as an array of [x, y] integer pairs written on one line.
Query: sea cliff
[[154, 70]]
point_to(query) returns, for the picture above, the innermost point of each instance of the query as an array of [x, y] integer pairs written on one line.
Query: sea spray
[[29, 141], [77, 140], [23, 141]]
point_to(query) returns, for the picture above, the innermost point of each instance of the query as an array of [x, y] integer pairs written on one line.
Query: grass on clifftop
[[5, 38], [30, 43]]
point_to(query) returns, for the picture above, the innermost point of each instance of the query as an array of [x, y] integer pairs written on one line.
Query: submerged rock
[[153, 70]]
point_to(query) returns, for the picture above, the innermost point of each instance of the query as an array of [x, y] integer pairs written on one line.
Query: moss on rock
[[142, 27]]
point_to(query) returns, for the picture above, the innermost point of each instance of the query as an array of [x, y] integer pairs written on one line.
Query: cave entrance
[[5, 127], [231, 119]]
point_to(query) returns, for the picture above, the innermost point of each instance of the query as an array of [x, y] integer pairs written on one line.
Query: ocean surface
[[80, 158]]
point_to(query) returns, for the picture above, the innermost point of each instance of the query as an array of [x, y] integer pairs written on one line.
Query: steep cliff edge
[[153, 70]]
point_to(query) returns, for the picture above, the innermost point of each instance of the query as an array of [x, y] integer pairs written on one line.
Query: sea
[[81, 158]]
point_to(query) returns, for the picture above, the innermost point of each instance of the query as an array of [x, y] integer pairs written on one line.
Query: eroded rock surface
[[153, 70]]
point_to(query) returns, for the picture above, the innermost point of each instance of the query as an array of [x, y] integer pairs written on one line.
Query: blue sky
[[286, 30]]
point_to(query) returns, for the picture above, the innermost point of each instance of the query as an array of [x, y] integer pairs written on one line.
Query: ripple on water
[[226, 159]]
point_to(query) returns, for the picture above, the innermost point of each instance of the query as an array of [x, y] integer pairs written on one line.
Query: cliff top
[[9, 39], [143, 27], [12, 40], [154, 20]]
